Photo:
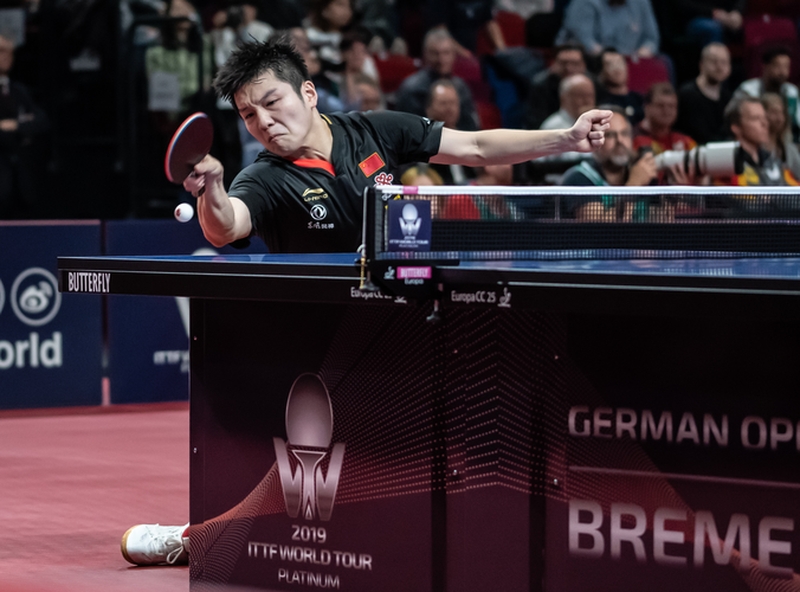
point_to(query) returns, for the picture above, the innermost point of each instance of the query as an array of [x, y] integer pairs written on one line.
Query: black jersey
[[300, 207]]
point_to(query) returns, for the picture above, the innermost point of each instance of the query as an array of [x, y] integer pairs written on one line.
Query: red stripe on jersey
[[371, 165], [315, 163]]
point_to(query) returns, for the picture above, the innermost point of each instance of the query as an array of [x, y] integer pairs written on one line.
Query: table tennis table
[[557, 425]]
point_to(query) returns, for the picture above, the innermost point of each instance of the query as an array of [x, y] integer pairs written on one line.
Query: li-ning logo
[[314, 194], [410, 221], [309, 428]]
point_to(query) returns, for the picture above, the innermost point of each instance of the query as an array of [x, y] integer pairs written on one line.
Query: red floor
[[71, 483]]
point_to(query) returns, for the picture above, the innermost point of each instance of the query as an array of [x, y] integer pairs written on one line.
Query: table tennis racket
[[189, 145]]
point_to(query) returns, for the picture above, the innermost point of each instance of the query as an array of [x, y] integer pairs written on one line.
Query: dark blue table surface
[[787, 268]]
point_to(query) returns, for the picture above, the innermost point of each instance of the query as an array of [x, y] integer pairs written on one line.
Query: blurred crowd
[[91, 90]]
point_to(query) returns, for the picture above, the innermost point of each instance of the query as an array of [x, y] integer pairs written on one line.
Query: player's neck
[[319, 141]]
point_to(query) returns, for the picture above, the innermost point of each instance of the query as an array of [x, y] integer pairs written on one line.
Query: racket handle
[[202, 191]]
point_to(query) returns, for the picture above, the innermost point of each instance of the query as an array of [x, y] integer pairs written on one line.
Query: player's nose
[[265, 120]]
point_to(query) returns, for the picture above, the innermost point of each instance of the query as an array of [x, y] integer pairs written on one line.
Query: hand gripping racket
[[188, 146]]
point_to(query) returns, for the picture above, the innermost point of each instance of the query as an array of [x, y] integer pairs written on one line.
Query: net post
[[367, 248]]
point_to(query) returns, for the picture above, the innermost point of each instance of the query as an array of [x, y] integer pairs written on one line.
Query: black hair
[[773, 52], [252, 59]]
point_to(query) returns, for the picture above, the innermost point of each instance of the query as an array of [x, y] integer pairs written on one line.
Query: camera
[[717, 159]]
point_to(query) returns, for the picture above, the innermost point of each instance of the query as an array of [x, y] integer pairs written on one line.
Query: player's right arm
[[223, 219]]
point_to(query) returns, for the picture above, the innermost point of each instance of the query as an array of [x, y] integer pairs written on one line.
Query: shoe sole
[[124, 546]]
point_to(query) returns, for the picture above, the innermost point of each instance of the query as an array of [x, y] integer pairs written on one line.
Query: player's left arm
[[506, 146]]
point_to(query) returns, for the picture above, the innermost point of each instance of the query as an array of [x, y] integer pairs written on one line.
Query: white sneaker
[[153, 544]]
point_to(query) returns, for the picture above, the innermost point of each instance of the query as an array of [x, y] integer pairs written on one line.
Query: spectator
[[777, 65], [439, 56], [234, 25], [577, 95], [748, 123], [327, 92], [655, 132], [368, 94], [613, 86], [780, 135], [21, 121], [443, 105], [357, 64], [710, 21], [628, 25], [612, 164], [326, 23], [421, 175], [701, 102], [174, 64], [660, 113], [543, 96]]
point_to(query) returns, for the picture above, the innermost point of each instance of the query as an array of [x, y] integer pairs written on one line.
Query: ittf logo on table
[[308, 492], [35, 300], [409, 225]]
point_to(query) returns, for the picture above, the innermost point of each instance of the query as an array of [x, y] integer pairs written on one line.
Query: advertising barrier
[[50, 343]]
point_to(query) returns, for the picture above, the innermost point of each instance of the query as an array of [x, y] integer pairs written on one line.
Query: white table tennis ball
[[184, 212]]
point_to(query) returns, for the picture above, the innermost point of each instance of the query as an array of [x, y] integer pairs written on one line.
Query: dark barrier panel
[[50, 343], [148, 352]]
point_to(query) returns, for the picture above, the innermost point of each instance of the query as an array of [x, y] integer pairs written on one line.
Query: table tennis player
[[304, 192]]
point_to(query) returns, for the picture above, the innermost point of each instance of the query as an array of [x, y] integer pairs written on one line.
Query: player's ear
[[309, 93]]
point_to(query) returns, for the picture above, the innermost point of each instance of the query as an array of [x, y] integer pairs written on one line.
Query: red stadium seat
[[644, 72], [489, 115], [513, 28], [766, 28], [393, 69], [469, 69], [790, 8]]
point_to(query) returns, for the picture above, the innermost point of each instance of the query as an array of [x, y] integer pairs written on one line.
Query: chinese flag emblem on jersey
[[371, 164]]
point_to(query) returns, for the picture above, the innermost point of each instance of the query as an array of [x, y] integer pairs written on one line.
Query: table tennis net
[[486, 223]]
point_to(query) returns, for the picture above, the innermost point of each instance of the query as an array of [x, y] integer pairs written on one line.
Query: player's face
[[275, 115]]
